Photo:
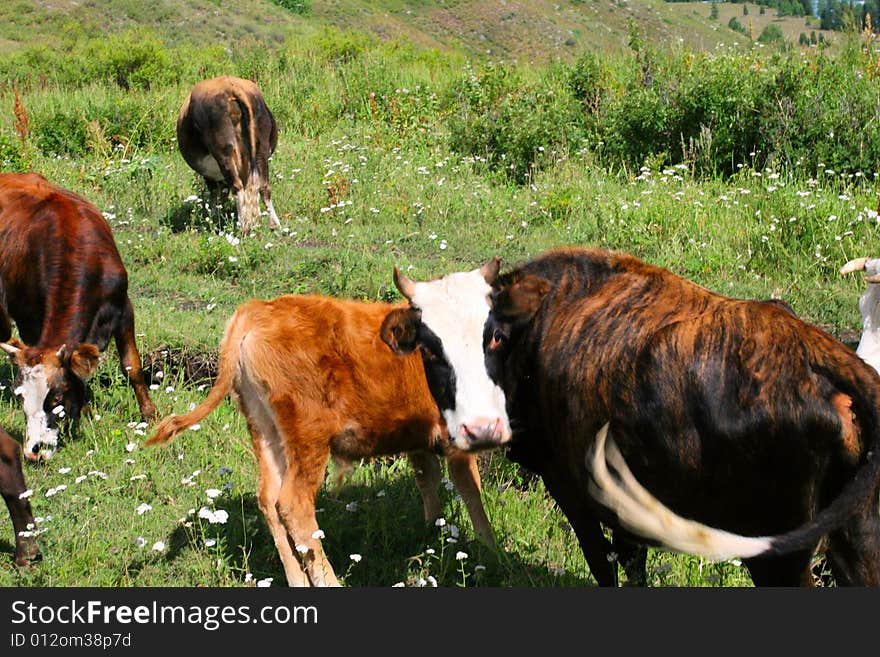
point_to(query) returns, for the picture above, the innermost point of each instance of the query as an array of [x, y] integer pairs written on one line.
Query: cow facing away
[[869, 307], [226, 133], [314, 380], [13, 488], [735, 414], [65, 287]]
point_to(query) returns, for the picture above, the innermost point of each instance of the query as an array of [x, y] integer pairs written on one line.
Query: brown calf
[[313, 379], [12, 487], [64, 285], [226, 133]]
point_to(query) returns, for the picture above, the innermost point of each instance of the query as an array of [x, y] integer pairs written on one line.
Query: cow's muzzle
[[483, 433]]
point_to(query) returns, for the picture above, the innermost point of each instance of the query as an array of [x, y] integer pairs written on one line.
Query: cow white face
[[51, 384], [33, 388], [446, 322]]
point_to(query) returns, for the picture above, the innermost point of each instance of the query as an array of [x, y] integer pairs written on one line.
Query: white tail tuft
[[644, 515], [247, 204]]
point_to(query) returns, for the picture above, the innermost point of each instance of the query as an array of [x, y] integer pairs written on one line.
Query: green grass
[[184, 288]]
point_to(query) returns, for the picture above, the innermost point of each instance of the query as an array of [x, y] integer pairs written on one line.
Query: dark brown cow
[[12, 487], [313, 379], [66, 289], [734, 413], [226, 133]]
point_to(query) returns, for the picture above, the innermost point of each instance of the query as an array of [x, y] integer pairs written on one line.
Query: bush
[[516, 129]]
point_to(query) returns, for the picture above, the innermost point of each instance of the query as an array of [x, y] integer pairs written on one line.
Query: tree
[[771, 34], [713, 12]]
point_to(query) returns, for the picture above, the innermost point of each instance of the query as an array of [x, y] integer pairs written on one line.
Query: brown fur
[[227, 119], [732, 412], [63, 282], [314, 380], [11, 487]]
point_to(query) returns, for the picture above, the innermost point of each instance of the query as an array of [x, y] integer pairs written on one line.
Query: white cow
[[869, 306]]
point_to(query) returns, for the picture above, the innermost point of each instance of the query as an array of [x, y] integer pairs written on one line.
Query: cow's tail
[[644, 515], [227, 370], [248, 199]]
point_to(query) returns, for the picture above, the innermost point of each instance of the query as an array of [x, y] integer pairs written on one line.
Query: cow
[[869, 306], [226, 133], [314, 380], [733, 413], [65, 288], [13, 489]]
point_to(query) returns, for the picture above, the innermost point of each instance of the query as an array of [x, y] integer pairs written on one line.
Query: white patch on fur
[[869, 306], [33, 390], [455, 308], [247, 204]]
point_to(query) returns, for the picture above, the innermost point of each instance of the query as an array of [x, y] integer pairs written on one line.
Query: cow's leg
[[426, 467], [307, 463], [854, 550], [787, 570], [265, 190], [12, 486], [5, 321], [596, 547], [633, 557], [271, 475], [343, 467], [131, 361], [465, 474], [217, 194]]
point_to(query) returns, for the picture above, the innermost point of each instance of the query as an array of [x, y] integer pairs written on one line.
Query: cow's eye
[[497, 340]]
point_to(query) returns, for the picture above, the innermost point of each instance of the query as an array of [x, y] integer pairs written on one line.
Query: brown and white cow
[[13, 488], [226, 133], [66, 289], [733, 413], [314, 380]]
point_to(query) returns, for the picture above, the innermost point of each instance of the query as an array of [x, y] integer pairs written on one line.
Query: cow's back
[[215, 120], [326, 354], [49, 236]]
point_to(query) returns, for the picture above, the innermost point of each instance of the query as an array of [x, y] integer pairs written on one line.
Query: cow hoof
[[31, 556]]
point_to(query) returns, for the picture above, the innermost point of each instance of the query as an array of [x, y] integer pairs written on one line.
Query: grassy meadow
[[387, 155]]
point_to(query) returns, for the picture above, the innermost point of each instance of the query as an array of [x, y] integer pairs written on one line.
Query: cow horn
[[60, 351], [490, 269], [857, 264], [874, 278], [9, 348], [406, 287]]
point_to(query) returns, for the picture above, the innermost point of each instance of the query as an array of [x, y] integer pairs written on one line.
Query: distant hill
[[526, 30]]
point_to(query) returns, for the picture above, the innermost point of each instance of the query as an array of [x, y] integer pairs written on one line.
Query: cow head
[[445, 321], [51, 383]]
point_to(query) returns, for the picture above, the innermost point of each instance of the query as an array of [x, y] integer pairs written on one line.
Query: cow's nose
[[483, 432]]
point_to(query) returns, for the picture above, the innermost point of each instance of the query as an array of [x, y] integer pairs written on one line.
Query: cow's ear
[[84, 360], [400, 329], [519, 301]]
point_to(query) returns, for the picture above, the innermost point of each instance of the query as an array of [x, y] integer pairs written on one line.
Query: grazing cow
[[869, 306], [734, 413], [226, 133], [313, 379], [12, 487], [66, 289]]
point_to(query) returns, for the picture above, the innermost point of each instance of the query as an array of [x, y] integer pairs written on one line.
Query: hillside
[[533, 30]]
